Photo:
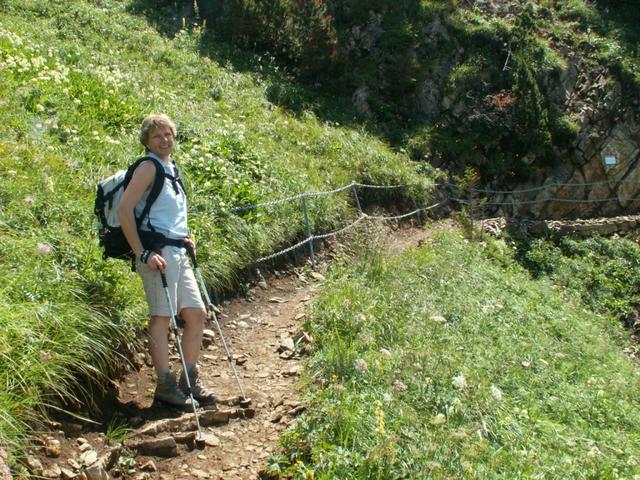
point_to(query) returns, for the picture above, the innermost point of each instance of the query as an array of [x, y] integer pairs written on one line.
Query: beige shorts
[[181, 281]]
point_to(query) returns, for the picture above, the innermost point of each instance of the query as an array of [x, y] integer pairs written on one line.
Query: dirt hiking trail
[[263, 330]]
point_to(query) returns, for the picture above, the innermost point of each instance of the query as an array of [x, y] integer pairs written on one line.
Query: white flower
[[459, 382], [360, 365], [385, 352], [44, 249], [438, 318], [594, 452], [439, 419], [454, 407], [496, 392]]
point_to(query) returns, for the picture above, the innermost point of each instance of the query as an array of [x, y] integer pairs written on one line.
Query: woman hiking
[[167, 217]]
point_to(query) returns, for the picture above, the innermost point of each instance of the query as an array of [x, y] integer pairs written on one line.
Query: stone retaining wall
[[626, 225]]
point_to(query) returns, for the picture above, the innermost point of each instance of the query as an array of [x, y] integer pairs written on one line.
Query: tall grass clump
[[76, 80], [449, 361]]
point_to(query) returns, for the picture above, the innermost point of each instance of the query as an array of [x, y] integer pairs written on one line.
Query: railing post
[[355, 195], [309, 234], [471, 203], [418, 213]]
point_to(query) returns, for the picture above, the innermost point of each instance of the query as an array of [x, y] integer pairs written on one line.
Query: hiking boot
[[202, 394], [167, 391]]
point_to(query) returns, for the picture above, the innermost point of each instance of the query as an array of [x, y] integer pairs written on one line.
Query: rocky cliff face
[[529, 94], [465, 108], [599, 173]]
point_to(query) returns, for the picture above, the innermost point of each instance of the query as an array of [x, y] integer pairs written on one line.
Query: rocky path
[[264, 332]]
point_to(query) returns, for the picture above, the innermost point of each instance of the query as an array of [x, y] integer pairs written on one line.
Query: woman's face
[[160, 141]]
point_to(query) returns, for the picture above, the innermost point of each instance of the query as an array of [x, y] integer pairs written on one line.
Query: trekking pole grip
[[164, 280]]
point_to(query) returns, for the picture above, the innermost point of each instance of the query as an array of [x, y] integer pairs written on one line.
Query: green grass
[[77, 78], [451, 362], [603, 272], [117, 431]]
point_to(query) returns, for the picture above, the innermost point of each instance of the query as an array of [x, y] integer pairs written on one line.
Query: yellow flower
[[379, 418]]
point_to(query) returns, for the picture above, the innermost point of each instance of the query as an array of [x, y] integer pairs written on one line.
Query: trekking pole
[[245, 401], [174, 329]]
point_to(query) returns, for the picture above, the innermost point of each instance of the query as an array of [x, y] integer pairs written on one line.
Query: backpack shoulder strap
[[177, 178], [156, 188]]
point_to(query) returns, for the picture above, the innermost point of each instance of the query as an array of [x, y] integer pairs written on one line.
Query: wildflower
[[496, 392], [594, 452], [379, 418], [44, 249], [30, 200], [459, 382], [385, 352], [399, 386], [360, 365], [438, 318], [439, 419]]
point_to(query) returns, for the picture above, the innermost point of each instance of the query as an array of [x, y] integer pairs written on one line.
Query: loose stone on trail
[[317, 276], [52, 448], [157, 447], [210, 440]]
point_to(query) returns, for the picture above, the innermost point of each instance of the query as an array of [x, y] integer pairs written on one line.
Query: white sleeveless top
[[168, 214]]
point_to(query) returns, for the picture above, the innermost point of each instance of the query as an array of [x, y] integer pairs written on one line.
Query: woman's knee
[[193, 316], [159, 322]]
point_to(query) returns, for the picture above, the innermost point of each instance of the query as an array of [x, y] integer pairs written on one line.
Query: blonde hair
[[152, 121]]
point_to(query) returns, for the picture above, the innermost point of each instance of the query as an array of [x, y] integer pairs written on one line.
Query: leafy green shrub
[[604, 272], [580, 12], [300, 32], [285, 94], [563, 130], [530, 112]]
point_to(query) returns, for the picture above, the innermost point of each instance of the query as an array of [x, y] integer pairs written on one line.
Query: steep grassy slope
[[451, 362], [76, 78]]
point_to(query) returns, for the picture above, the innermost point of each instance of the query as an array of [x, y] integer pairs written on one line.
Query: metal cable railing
[[470, 201]]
